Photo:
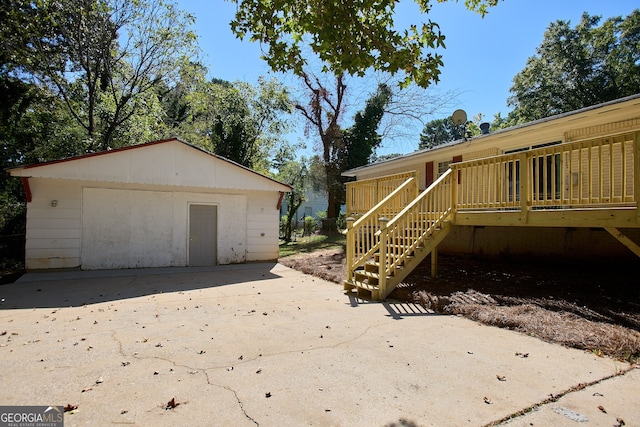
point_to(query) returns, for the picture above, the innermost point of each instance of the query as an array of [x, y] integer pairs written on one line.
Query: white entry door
[[203, 226]]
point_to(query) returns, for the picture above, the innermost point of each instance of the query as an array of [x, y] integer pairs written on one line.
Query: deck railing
[[584, 174], [400, 236], [363, 195], [363, 239]]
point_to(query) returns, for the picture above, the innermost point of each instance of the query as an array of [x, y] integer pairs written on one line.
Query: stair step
[[352, 284], [363, 290]]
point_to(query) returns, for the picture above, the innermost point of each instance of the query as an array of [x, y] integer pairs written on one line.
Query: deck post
[[636, 173], [434, 262], [382, 262], [350, 247], [524, 186]]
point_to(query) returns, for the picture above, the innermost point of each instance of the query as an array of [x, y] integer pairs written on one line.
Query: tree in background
[[438, 132], [323, 112], [294, 173], [362, 138], [350, 36], [104, 59], [578, 67], [249, 121]]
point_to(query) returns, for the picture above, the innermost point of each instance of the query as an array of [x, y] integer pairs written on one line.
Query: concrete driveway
[[261, 344]]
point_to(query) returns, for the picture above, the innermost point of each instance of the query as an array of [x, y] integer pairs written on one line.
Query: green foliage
[[77, 51], [578, 67], [341, 222], [362, 138], [351, 36], [293, 173], [437, 132], [249, 121], [310, 225]]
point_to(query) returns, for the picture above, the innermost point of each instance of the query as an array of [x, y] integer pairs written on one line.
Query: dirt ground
[[590, 306]]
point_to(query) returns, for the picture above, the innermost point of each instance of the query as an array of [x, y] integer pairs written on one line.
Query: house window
[[443, 167]]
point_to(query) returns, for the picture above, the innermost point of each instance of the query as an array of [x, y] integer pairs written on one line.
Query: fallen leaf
[[172, 404]]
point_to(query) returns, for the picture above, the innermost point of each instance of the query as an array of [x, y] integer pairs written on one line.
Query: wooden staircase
[[382, 251]]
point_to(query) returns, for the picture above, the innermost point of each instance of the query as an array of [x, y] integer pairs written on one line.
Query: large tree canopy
[[350, 36], [103, 58], [578, 67]]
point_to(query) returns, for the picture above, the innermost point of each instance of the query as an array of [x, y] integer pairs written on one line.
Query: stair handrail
[[426, 212], [362, 241]]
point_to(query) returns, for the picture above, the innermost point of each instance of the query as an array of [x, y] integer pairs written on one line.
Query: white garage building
[[159, 204]]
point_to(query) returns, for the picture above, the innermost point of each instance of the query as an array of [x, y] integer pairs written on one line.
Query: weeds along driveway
[[262, 344]]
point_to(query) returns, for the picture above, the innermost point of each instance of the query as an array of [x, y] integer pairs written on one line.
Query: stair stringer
[[420, 253]]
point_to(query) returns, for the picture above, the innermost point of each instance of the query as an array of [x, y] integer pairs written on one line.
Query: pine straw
[[553, 326]]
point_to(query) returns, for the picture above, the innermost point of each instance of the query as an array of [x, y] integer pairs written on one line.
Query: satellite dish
[[459, 117]]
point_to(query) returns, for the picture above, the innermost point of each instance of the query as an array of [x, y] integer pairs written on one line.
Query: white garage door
[[126, 228]]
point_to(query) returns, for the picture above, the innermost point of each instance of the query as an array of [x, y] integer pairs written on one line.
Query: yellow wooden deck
[[392, 227]]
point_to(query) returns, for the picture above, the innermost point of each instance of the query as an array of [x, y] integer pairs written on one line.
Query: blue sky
[[481, 57]]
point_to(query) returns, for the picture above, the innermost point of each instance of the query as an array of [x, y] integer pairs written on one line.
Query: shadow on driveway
[[77, 288]]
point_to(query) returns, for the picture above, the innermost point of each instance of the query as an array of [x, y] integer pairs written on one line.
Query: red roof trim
[[27, 188]]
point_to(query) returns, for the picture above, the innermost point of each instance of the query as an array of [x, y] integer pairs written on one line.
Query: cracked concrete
[[261, 344]]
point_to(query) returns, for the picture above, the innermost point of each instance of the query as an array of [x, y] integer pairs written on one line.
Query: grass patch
[[308, 244]]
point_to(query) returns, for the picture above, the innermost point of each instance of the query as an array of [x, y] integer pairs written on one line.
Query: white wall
[[86, 228], [262, 226], [53, 233]]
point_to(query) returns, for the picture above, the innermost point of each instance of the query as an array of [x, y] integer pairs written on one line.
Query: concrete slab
[[261, 344]]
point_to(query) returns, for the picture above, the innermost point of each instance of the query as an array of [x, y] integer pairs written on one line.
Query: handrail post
[[382, 264], [350, 247], [636, 173], [454, 192], [524, 186]]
